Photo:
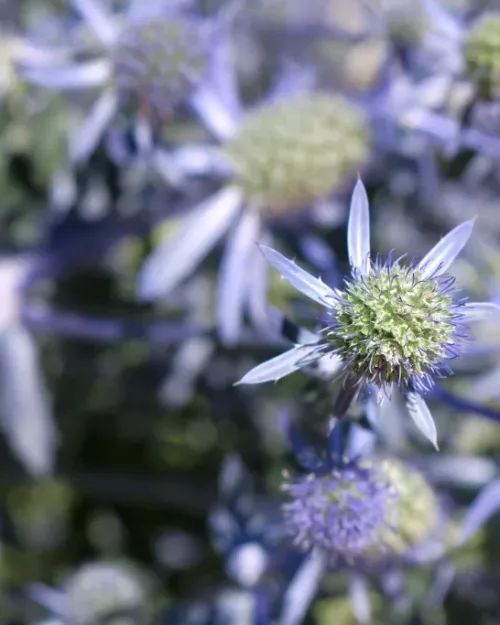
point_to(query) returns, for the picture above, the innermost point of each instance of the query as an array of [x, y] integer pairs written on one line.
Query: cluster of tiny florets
[[482, 52], [158, 62], [395, 327], [362, 512], [99, 591], [293, 153]]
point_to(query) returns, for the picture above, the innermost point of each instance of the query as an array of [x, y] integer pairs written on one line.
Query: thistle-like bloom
[[282, 157], [154, 58], [392, 325], [362, 512], [99, 592], [286, 155]]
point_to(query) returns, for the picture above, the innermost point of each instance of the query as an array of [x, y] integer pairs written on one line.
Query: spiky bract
[[293, 153], [362, 512], [158, 62], [395, 327]]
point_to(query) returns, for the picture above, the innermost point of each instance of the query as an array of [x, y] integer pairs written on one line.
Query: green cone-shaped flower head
[[394, 326], [482, 52], [159, 61], [293, 153], [390, 325]]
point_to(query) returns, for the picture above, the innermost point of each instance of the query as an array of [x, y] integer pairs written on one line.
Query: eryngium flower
[[362, 512], [153, 57], [99, 591], [396, 326], [158, 62], [391, 325], [291, 154], [482, 52]]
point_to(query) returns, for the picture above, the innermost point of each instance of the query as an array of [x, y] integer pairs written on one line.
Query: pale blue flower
[[391, 325], [153, 57]]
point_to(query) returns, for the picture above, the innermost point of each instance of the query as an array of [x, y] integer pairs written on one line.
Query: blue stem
[[465, 405]]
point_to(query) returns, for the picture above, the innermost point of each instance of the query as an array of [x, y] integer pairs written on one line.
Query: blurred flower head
[[362, 512], [105, 592], [291, 154], [152, 59], [158, 62], [482, 53], [390, 325]]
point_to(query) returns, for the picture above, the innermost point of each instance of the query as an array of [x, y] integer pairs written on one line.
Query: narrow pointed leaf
[[55, 601], [89, 135], [31, 55], [443, 23], [458, 471], [224, 75], [99, 20], [281, 366], [25, 410], [486, 504], [303, 588], [70, 77], [422, 417], [303, 281], [200, 160], [257, 295], [358, 230], [481, 311], [444, 253], [214, 114], [233, 282], [172, 261], [360, 598]]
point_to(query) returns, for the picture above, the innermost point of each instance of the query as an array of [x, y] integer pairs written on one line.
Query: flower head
[[152, 59], [391, 325], [396, 326], [291, 154], [158, 62], [362, 512], [482, 52], [99, 590]]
